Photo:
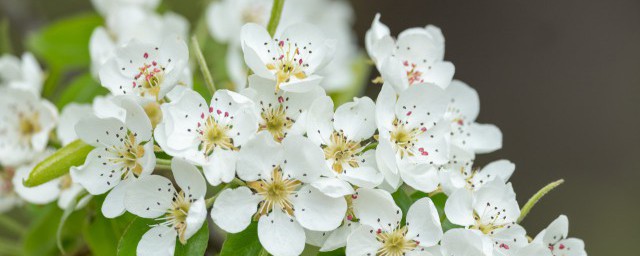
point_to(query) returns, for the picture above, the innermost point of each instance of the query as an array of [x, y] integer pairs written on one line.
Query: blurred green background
[[560, 78]]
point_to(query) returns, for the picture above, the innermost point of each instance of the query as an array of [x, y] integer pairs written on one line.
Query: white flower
[[415, 58], [71, 114], [464, 106], [492, 210], [343, 136], [290, 59], [279, 194], [382, 234], [412, 135], [533, 249], [22, 73], [460, 241], [133, 23], [225, 18], [105, 7], [181, 212], [459, 173], [25, 124], [281, 112], [124, 152], [147, 70], [365, 202], [8, 196], [208, 135], [555, 238]]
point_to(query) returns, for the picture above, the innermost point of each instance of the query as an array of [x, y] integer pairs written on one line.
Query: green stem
[[276, 12], [233, 184], [536, 197], [204, 68], [12, 225], [163, 164], [370, 146]]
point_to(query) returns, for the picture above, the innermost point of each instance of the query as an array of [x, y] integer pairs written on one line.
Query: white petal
[[338, 238], [376, 32], [385, 108], [464, 99], [71, 114], [333, 187], [394, 73], [181, 118], [67, 196], [100, 132], [136, 119], [195, 217], [496, 199], [221, 167], [557, 230], [233, 209], [113, 205], [258, 157], [424, 223], [387, 163], [97, 175], [317, 211], [367, 174], [253, 38], [421, 105], [243, 118], [158, 241], [309, 35], [459, 241], [303, 160], [440, 74], [376, 208], [189, 178], [421, 177], [459, 208], [533, 249], [319, 126], [149, 197], [300, 86], [485, 138], [500, 169], [362, 242], [509, 239], [356, 119], [279, 234]]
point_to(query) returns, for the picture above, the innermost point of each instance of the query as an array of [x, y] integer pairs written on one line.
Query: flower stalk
[[202, 63], [274, 20], [536, 197]]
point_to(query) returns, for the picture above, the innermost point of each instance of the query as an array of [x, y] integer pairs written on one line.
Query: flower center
[[29, 125], [405, 138], [275, 191], [149, 78], [342, 151], [128, 154], [276, 121], [288, 63], [492, 213], [395, 243], [176, 216], [414, 75], [215, 134]]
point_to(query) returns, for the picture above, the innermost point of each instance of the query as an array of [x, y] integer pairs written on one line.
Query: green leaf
[[197, 244], [100, 235], [65, 42], [40, 239], [59, 163], [82, 89], [129, 240], [336, 252], [245, 243], [403, 200]]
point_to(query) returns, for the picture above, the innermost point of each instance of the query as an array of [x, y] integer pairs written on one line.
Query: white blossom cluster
[[307, 171]]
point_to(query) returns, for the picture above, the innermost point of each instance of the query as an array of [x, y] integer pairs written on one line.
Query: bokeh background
[[560, 78]]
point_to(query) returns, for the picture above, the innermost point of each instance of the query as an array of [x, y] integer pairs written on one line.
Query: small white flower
[[105, 7], [225, 18], [147, 70], [22, 73], [382, 234], [492, 210], [25, 124], [415, 58], [459, 173], [70, 115], [279, 194], [463, 109], [412, 135], [290, 59], [124, 152], [343, 136], [133, 23], [365, 202], [555, 238], [533, 249], [281, 112], [181, 212], [460, 241], [208, 135]]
